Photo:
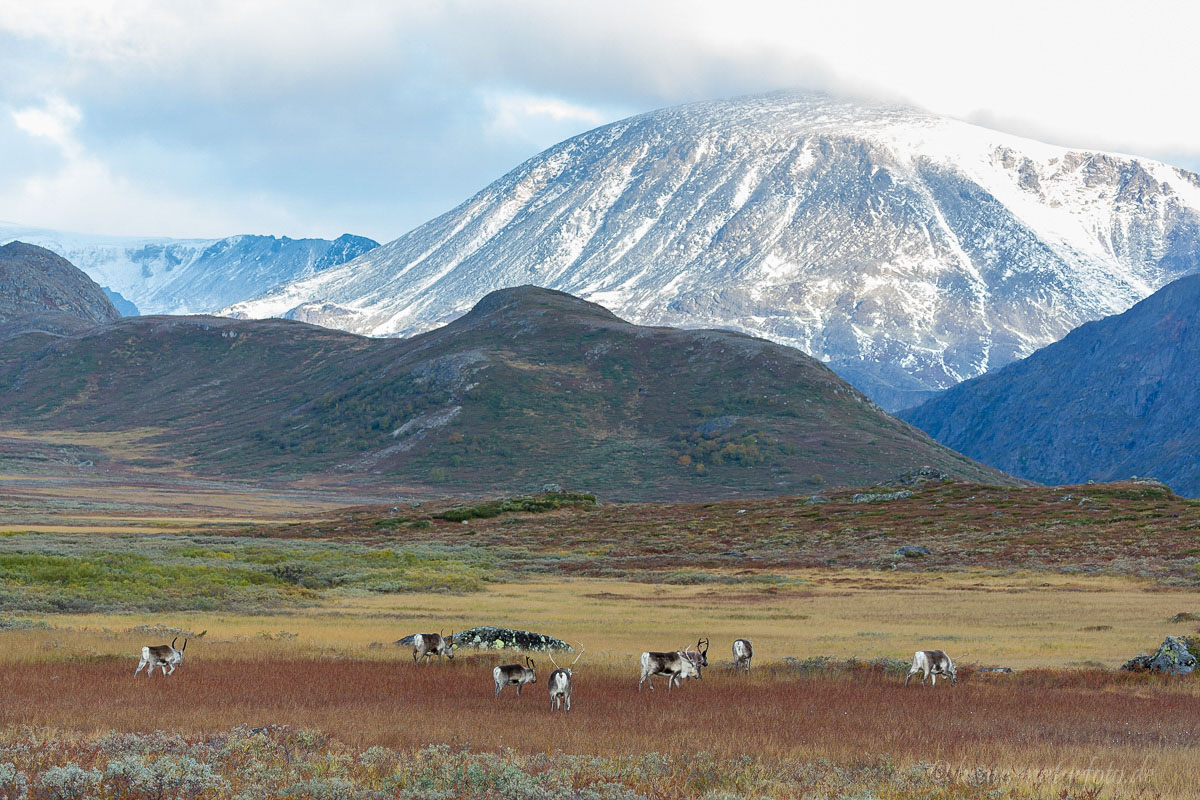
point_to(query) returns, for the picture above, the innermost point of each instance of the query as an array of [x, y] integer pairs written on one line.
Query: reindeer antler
[[581, 649], [550, 653]]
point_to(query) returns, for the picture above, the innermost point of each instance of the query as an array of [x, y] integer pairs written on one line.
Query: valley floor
[[297, 688], [337, 688]]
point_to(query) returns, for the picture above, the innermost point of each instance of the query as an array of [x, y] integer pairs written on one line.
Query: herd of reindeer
[[675, 666]]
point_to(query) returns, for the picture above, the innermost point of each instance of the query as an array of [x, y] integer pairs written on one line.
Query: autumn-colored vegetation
[[780, 732], [1127, 528], [1063, 584]]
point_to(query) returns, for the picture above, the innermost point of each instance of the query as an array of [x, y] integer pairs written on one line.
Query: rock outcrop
[[1175, 656]]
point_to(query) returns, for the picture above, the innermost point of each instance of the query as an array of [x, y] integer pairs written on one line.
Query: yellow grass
[[1020, 621]]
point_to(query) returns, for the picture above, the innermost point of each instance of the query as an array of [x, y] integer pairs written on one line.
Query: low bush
[[529, 505]]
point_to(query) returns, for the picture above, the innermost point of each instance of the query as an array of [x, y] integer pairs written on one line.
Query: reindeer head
[[702, 651], [532, 668], [449, 643]]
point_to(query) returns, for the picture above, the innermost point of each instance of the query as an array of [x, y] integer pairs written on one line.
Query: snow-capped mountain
[[187, 276], [911, 251]]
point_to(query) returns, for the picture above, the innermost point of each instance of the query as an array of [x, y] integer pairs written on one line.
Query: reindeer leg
[[568, 701], [139, 668], [519, 687], [908, 677]]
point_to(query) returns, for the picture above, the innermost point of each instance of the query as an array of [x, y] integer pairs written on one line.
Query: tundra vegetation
[[298, 689]]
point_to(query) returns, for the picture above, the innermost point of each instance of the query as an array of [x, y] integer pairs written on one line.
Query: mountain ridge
[[160, 275], [882, 240], [1114, 398]]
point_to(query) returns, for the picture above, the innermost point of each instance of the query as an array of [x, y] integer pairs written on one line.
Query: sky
[[205, 118]]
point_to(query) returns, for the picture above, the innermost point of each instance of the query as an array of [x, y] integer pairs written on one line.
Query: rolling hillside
[[531, 387]]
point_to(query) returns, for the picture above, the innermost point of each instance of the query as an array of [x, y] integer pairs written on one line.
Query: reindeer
[[161, 656], [560, 682], [743, 651], [932, 662], [515, 675], [676, 666], [433, 644]]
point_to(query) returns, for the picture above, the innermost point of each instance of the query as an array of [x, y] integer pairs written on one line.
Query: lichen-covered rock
[[1174, 657], [919, 477], [880, 497], [488, 637], [912, 551]]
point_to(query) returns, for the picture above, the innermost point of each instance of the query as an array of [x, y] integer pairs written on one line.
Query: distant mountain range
[[189, 276], [1115, 398], [41, 291], [908, 251], [531, 387]]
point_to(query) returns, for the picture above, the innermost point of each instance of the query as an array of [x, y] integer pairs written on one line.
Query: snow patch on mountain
[[191, 276], [886, 241]]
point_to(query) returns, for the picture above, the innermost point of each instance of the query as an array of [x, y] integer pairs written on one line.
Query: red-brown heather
[[1074, 720]]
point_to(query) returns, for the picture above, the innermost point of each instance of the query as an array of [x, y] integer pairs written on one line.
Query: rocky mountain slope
[[190, 276], [913, 251], [1115, 398], [42, 291], [531, 387]]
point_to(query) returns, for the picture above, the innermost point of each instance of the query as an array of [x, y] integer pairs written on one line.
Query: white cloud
[[54, 120], [372, 115], [537, 119]]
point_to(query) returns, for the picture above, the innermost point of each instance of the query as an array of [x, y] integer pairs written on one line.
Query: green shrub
[[530, 505]]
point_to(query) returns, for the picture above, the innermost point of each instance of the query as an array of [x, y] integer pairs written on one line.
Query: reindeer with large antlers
[[426, 645], [678, 665], [560, 682], [515, 675]]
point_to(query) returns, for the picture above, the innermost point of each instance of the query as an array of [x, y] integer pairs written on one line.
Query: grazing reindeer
[[932, 662], [161, 656], [743, 651], [426, 645], [560, 682], [515, 675], [676, 666]]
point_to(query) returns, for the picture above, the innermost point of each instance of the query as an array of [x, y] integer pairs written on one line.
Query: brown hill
[[40, 290], [531, 387]]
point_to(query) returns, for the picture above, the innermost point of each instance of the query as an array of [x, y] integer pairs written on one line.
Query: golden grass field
[[1022, 621], [1067, 724]]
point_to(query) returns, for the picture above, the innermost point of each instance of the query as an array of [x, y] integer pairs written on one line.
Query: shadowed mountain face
[[42, 291], [532, 386], [1115, 398], [906, 250]]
